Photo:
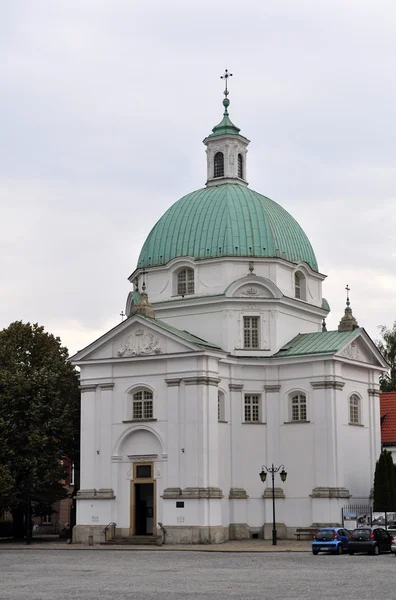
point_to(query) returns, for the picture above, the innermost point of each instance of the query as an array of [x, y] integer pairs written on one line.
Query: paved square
[[38, 574]]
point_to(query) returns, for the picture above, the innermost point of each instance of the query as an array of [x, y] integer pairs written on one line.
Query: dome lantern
[[226, 149]]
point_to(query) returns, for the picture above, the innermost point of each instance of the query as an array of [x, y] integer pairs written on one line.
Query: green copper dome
[[226, 220]]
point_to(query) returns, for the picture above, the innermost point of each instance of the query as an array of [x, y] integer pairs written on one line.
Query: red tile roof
[[388, 417]]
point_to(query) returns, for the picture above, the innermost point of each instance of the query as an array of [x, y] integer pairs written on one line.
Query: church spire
[[226, 148], [348, 321]]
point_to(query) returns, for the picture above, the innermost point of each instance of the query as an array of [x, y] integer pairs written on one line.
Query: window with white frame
[[299, 407], [252, 408], [354, 410], [220, 406], [185, 282], [142, 405], [251, 338]]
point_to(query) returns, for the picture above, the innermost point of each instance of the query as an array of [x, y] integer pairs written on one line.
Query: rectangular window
[[143, 471], [252, 408], [46, 519], [251, 332]]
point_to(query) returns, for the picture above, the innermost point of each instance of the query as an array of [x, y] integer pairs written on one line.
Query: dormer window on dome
[[185, 282], [299, 286]]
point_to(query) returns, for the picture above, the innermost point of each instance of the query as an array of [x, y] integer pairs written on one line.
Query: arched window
[[299, 286], [185, 282], [299, 407], [220, 406], [142, 405], [240, 166], [219, 164], [354, 410]]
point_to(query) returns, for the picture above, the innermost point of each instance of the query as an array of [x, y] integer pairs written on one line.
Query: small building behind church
[[224, 364]]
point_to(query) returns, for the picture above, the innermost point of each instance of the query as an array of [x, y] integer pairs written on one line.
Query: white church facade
[[223, 365]]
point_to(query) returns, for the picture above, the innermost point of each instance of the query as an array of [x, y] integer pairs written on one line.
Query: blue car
[[331, 539]]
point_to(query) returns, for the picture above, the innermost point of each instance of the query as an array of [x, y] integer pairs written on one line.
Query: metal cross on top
[[348, 289], [226, 76]]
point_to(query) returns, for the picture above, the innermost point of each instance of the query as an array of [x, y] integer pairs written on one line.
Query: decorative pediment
[[140, 336], [253, 286], [140, 342], [362, 350]]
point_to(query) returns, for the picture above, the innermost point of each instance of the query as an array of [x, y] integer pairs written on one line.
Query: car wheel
[[376, 550], [340, 549], [314, 552]]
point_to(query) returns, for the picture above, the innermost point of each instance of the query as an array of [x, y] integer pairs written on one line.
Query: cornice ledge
[[106, 386], [327, 385], [88, 388], [330, 492], [235, 387], [173, 382], [170, 493], [202, 380], [272, 388], [278, 492], [373, 392], [93, 494], [238, 494], [198, 493]]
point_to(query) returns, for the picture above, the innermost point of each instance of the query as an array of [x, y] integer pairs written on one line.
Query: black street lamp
[[263, 477]]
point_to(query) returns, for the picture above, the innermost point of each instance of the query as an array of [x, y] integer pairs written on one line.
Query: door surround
[[145, 476]]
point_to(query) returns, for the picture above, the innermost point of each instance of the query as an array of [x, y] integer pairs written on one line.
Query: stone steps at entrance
[[134, 540]]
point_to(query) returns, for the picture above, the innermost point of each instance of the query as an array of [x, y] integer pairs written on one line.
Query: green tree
[[39, 418], [384, 483], [387, 347], [392, 482]]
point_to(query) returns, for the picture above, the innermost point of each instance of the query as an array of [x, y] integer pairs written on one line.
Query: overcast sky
[[104, 105]]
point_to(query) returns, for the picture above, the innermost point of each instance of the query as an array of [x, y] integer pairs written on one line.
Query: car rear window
[[361, 534], [325, 534]]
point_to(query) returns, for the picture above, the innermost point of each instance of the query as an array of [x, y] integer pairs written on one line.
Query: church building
[[224, 366]]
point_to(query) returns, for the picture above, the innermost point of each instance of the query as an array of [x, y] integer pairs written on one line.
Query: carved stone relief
[[251, 291], [139, 343], [353, 352]]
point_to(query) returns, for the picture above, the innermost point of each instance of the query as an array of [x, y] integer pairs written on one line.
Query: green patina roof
[[226, 220], [185, 335], [325, 342], [226, 126], [325, 304]]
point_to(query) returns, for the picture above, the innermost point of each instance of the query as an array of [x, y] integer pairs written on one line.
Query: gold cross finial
[[226, 76]]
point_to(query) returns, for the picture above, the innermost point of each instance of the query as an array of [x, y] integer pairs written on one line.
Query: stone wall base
[[88, 534], [185, 534], [239, 531], [281, 530]]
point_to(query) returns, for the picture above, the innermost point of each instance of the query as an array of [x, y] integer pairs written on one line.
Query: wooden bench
[[308, 532]]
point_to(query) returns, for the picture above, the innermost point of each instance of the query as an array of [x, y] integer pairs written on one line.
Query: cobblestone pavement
[[48, 574], [52, 542]]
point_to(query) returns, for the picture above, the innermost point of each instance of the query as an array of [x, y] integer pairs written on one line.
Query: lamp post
[[263, 477]]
